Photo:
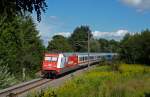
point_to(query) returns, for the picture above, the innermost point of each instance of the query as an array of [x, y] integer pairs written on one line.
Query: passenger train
[[58, 63]]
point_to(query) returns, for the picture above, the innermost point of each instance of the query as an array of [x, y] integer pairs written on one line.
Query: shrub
[[6, 78], [104, 82]]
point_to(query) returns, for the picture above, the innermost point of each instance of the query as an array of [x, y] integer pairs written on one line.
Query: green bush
[[6, 78], [104, 82]]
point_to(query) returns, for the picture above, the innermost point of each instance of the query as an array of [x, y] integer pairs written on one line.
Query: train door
[[61, 61]]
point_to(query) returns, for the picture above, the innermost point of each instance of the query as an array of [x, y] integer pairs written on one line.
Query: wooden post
[[23, 73]]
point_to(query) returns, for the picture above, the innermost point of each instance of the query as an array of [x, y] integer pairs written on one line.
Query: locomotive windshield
[[53, 59]]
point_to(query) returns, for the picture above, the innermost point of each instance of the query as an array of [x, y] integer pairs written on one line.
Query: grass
[[104, 81]]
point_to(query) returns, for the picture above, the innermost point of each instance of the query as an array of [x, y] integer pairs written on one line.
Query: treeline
[[78, 42], [133, 48], [136, 48]]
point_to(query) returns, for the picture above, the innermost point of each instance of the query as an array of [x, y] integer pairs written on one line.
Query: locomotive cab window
[[54, 59], [47, 58], [51, 59]]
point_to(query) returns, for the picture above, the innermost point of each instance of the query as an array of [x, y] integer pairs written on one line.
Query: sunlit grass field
[[127, 81]]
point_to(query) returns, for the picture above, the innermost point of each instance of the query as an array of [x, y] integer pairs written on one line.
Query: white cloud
[[141, 5], [110, 35], [47, 27], [117, 35], [53, 17], [65, 34], [133, 2]]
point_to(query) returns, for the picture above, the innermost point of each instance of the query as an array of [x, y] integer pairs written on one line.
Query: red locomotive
[[56, 64]]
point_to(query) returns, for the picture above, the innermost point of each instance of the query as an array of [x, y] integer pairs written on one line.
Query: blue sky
[[110, 19]]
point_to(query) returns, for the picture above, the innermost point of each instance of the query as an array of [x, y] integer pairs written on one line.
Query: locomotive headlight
[[70, 62], [49, 65]]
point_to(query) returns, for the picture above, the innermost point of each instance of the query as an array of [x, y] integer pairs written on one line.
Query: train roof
[[77, 53], [82, 54]]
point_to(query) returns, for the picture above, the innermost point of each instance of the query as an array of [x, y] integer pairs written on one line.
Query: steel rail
[[14, 91]]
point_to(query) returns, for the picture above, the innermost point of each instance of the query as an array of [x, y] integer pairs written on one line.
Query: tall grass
[[103, 81]]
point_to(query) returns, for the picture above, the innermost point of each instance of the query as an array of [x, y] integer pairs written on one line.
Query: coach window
[[80, 58], [47, 58], [90, 57], [85, 58]]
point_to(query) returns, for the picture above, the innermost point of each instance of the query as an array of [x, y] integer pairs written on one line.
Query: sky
[[110, 19]]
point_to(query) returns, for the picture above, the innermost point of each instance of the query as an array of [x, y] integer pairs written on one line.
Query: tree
[[59, 44], [31, 47], [145, 43], [94, 45], [124, 48], [20, 45], [79, 38], [11, 8], [113, 45], [136, 48], [103, 45], [108, 45]]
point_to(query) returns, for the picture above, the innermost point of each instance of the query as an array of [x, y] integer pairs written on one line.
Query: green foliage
[[94, 45], [76, 42], [9, 8], [104, 45], [108, 45], [115, 66], [59, 44], [20, 45], [79, 38], [6, 78], [136, 48], [79, 42], [102, 82]]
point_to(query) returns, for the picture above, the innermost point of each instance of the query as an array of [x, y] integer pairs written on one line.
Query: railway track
[[19, 90], [16, 90]]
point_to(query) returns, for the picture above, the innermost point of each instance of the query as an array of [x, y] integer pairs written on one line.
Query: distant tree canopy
[[136, 48], [108, 45], [11, 8], [94, 45], [78, 42], [79, 38], [59, 44]]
